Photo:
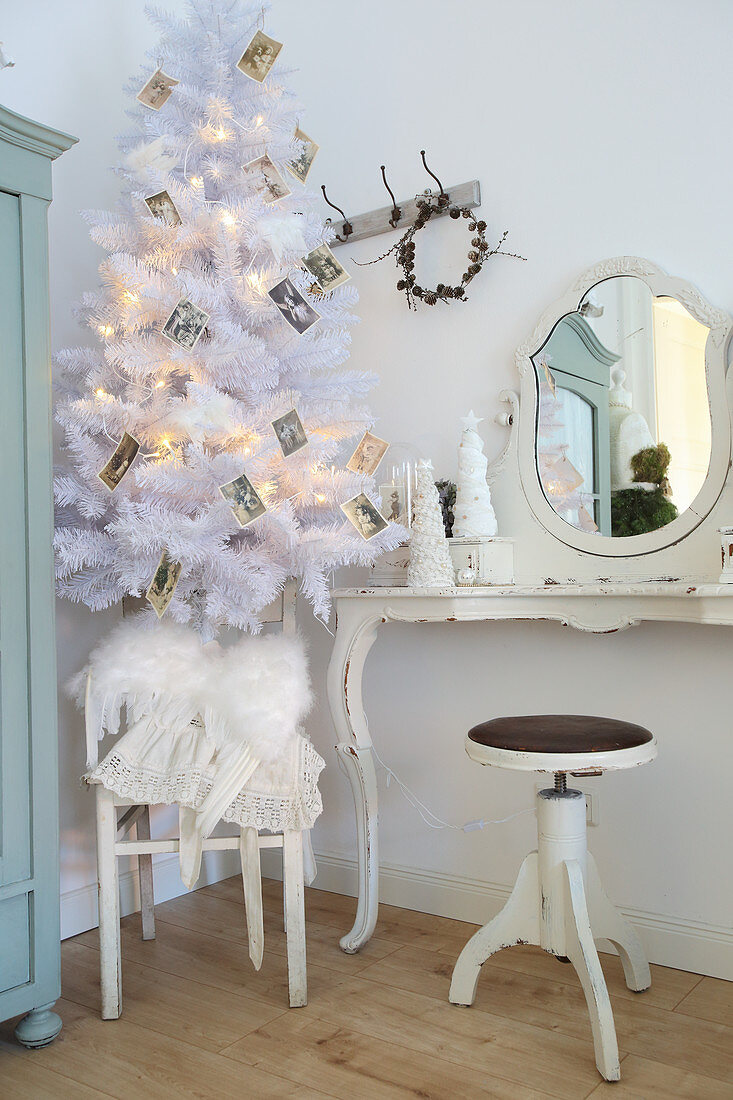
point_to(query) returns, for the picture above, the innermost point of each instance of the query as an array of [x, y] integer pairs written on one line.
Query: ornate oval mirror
[[629, 439]]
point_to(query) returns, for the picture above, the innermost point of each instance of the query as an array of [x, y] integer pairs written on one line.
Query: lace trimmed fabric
[[154, 766]]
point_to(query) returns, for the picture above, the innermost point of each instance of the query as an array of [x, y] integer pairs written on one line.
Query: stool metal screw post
[[558, 902]]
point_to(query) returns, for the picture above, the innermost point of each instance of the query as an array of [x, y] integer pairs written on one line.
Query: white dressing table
[[597, 608], [585, 580]]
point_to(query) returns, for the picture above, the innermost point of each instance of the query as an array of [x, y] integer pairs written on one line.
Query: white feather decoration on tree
[[282, 234], [151, 155]]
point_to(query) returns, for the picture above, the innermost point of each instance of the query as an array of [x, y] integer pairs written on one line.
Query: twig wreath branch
[[404, 251]]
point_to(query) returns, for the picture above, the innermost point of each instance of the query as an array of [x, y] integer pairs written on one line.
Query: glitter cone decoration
[[208, 335], [430, 562], [474, 513]]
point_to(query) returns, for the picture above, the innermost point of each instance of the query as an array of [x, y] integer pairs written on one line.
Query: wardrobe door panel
[[15, 861]]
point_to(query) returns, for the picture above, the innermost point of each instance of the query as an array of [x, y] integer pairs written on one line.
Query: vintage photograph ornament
[[301, 166], [161, 206], [259, 57], [293, 306], [157, 91], [325, 268], [290, 433], [368, 454], [266, 180], [163, 584], [243, 499], [185, 324], [365, 516], [119, 462]]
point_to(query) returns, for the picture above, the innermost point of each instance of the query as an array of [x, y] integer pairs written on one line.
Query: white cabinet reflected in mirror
[[623, 433], [630, 437]]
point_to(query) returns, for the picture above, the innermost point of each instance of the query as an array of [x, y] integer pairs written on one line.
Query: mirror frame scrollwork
[[716, 363]]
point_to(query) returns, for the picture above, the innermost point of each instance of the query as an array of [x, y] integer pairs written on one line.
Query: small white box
[[491, 559]]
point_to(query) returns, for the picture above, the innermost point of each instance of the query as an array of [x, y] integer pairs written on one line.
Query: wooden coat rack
[[400, 215]]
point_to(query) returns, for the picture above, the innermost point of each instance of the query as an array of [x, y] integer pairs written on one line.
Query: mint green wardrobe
[[29, 858]]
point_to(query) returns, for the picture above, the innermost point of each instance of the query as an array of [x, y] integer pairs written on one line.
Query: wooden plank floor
[[199, 1022]]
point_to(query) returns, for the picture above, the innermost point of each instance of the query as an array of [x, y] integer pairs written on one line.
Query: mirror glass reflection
[[623, 428]]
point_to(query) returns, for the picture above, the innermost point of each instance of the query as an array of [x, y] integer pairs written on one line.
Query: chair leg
[[249, 850], [145, 871], [608, 924], [518, 922], [110, 958], [294, 895], [581, 950]]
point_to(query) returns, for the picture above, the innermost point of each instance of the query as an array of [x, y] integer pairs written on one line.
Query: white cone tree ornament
[[208, 330], [473, 510], [430, 561]]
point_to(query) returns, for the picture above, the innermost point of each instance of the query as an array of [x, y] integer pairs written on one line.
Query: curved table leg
[[359, 766], [356, 631]]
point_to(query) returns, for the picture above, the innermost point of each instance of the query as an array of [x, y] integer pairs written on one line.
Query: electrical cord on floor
[[427, 814]]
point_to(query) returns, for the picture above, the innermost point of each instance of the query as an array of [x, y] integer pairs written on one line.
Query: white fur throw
[[256, 691]]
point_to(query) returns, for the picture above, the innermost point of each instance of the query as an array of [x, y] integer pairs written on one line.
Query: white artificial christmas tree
[[473, 510], [430, 562], [198, 258]]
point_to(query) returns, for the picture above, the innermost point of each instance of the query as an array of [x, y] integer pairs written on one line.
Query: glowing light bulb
[[100, 393], [221, 134], [259, 120], [174, 270], [248, 450], [106, 330], [131, 296], [320, 498], [229, 219], [196, 181], [159, 385]]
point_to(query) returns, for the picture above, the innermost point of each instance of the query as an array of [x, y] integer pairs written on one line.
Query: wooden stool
[[558, 902]]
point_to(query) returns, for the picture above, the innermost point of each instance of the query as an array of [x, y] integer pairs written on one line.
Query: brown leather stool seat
[[560, 743], [560, 733]]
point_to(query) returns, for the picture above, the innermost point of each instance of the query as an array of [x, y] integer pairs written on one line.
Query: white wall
[[595, 131]]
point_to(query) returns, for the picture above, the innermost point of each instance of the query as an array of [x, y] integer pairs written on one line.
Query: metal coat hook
[[348, 228], [440, 185], [396, 211]]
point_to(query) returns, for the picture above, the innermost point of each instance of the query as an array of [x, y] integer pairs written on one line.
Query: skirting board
[[668, 941]]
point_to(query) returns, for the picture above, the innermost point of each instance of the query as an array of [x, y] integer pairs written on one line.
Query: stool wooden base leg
[[581, 950], [608, 924], [559, 904], [518, 922]]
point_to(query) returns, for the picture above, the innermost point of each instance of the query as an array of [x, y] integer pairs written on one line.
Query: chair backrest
[[282, 610]]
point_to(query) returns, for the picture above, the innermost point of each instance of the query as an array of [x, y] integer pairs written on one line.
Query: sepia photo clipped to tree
[[206, 439]]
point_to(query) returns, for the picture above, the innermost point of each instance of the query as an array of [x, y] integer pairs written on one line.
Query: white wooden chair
[[113, 842]]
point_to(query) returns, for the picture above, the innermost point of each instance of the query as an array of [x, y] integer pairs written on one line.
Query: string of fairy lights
[[187, 323]]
